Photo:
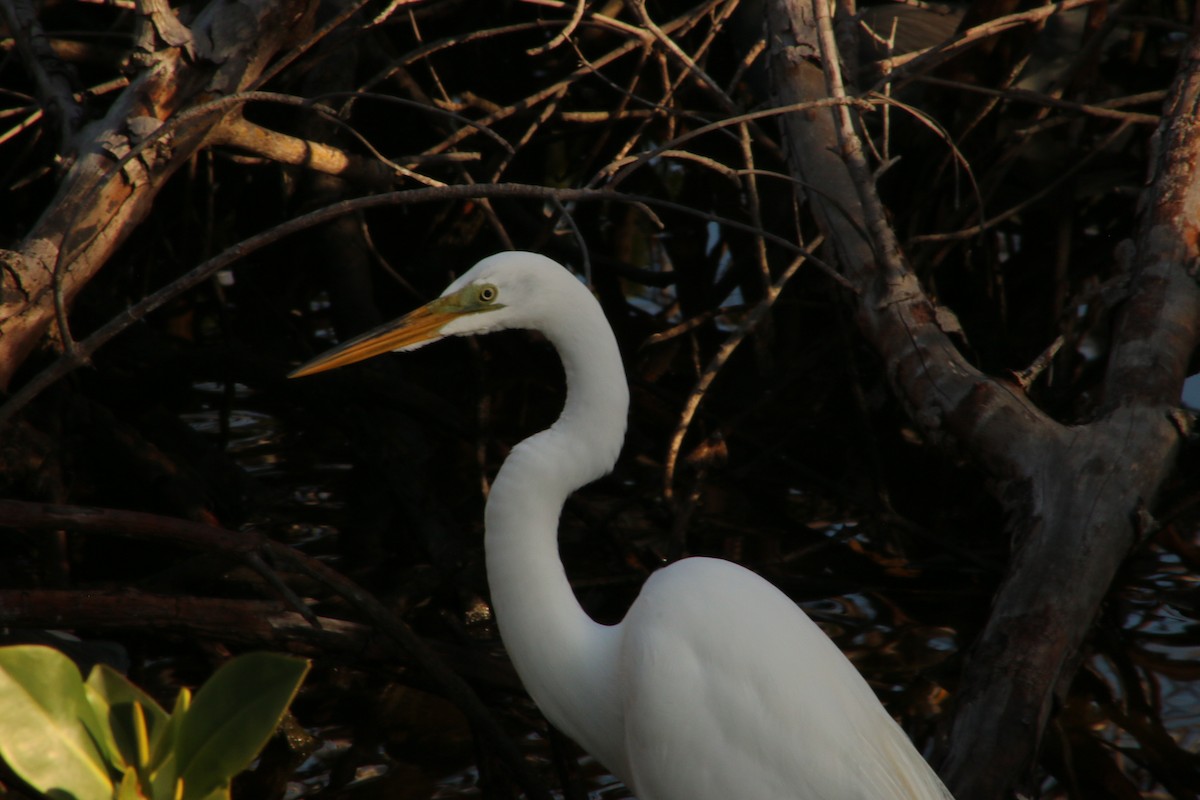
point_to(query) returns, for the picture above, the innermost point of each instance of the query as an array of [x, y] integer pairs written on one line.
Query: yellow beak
[[412, 330]]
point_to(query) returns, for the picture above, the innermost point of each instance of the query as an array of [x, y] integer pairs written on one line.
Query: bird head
[[506, 290]]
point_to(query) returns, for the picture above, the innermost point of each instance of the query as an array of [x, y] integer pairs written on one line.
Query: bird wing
[[731, 691]]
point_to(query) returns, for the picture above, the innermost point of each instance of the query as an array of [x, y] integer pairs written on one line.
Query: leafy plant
[[106, 738]]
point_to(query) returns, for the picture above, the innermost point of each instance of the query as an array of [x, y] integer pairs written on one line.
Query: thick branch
[[248, 623], [238, 132], [1074, 495], [1158, 328], [1085, 504], [98, 206], [950, 399], [245, 623]]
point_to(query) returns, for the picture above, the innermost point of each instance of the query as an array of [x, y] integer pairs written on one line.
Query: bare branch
[[562, 35], [236, 131], [1101, 110], [53, 78], [749, 324], [99, 204], [907, 64], [85, 348], [194, 535]]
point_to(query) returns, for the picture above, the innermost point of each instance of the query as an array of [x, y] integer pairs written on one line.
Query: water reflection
[[1138, 696], [1136, 702]]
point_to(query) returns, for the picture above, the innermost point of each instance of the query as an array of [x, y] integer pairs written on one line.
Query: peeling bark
[[1076, 496], [1089, 494], [97, 207]]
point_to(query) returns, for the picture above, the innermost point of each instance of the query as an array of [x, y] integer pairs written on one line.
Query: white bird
[[715, 686]]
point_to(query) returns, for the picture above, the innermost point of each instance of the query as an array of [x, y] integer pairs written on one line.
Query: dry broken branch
[[236, 131]]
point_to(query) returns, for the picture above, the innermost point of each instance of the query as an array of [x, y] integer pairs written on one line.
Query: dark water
[[1138, 694]]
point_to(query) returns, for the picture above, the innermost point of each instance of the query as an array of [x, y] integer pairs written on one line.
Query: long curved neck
[[566, 660]]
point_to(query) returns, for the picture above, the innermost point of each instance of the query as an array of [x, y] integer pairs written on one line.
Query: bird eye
[[487, 294]]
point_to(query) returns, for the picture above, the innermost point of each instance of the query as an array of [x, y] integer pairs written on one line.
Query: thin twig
[[719, 359], [1037, 98], [569, 218], [564, 34], [51, 76], [933, 125], [1051, 187], [1027, 376], [546, 113], [756, 50], [35, 114], [169, 128], [593, 17], [359, 94], [639, 39], [880, 235], [902, 66], [386, 14], [623, 170], [593, 117], [692, 68], [23, 125], [680, 329], [291, 598], [654, 109], [195, 535], [750, 190], [538, 97], [284, 61], [87, 347]]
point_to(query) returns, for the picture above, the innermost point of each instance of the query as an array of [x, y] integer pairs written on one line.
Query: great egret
[[716, 685]]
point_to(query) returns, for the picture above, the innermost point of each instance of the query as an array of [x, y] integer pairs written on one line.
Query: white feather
[[715, 686]]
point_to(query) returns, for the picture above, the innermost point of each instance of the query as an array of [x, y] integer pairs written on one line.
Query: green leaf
[[163, 775], [43, 707], [114, 700], [163, 782], [232, 717], [129, 788]]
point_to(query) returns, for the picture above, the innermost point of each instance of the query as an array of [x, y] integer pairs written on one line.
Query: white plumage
[[715, 686]]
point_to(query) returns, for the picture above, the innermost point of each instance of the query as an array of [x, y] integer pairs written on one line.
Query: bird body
[[732, 691], [715, 685]]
